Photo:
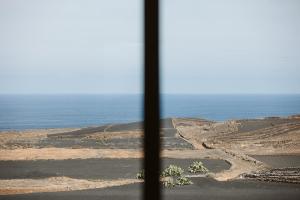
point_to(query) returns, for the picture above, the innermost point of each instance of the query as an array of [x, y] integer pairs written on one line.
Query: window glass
[[71, 98], [230, 84]]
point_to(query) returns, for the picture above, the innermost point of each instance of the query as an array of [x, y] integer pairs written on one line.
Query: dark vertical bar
[[151, 101]]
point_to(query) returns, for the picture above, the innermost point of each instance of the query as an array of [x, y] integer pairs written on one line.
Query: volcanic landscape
[[246, 158]]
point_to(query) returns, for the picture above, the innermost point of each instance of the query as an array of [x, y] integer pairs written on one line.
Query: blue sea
[[18, 112]]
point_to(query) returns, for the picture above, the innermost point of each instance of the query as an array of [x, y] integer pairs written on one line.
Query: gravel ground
[[279, 161], [91, 168], [202, 188]]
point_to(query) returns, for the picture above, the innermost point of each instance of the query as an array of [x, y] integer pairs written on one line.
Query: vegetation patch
[[197, 167], [183, 181], [172, 170], [173, 174]]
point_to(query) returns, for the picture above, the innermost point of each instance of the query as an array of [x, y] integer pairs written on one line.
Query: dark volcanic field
[[91, 168], [80, 138], [203, 188], [279, 161], [247, 125]]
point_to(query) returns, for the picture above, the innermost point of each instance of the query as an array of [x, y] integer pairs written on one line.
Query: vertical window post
[[151, 101]]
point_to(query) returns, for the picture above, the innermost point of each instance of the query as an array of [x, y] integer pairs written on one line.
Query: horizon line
[[69, 93]]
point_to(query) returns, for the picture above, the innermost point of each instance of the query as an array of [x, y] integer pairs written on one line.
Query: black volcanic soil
[[203, 188], [82, 138], [284, 175], [134, 126], [247, 125], [279, 161], [285, 168], [91, 168], [114, 143]]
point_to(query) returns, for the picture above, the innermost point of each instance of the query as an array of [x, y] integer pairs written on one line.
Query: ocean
[[19, 112]]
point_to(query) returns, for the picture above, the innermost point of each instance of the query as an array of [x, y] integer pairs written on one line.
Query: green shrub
[[197, 167], [172, 170], [172, 176], [141, 175], [183, 181]]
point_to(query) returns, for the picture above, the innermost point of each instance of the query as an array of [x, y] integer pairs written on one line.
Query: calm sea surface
[[55, 111]]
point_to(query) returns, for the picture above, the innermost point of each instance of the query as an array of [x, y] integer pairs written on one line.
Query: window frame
[[151, 127]]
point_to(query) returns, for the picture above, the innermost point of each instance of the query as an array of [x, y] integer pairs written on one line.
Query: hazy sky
[[212, 46]]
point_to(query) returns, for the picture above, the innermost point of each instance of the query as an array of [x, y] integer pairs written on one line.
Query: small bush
[[172, 170], [140, 175], [197, 167], [183, 181], [170, 177]]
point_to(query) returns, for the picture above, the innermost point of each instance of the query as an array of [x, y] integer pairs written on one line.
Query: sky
[[96, 46]]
